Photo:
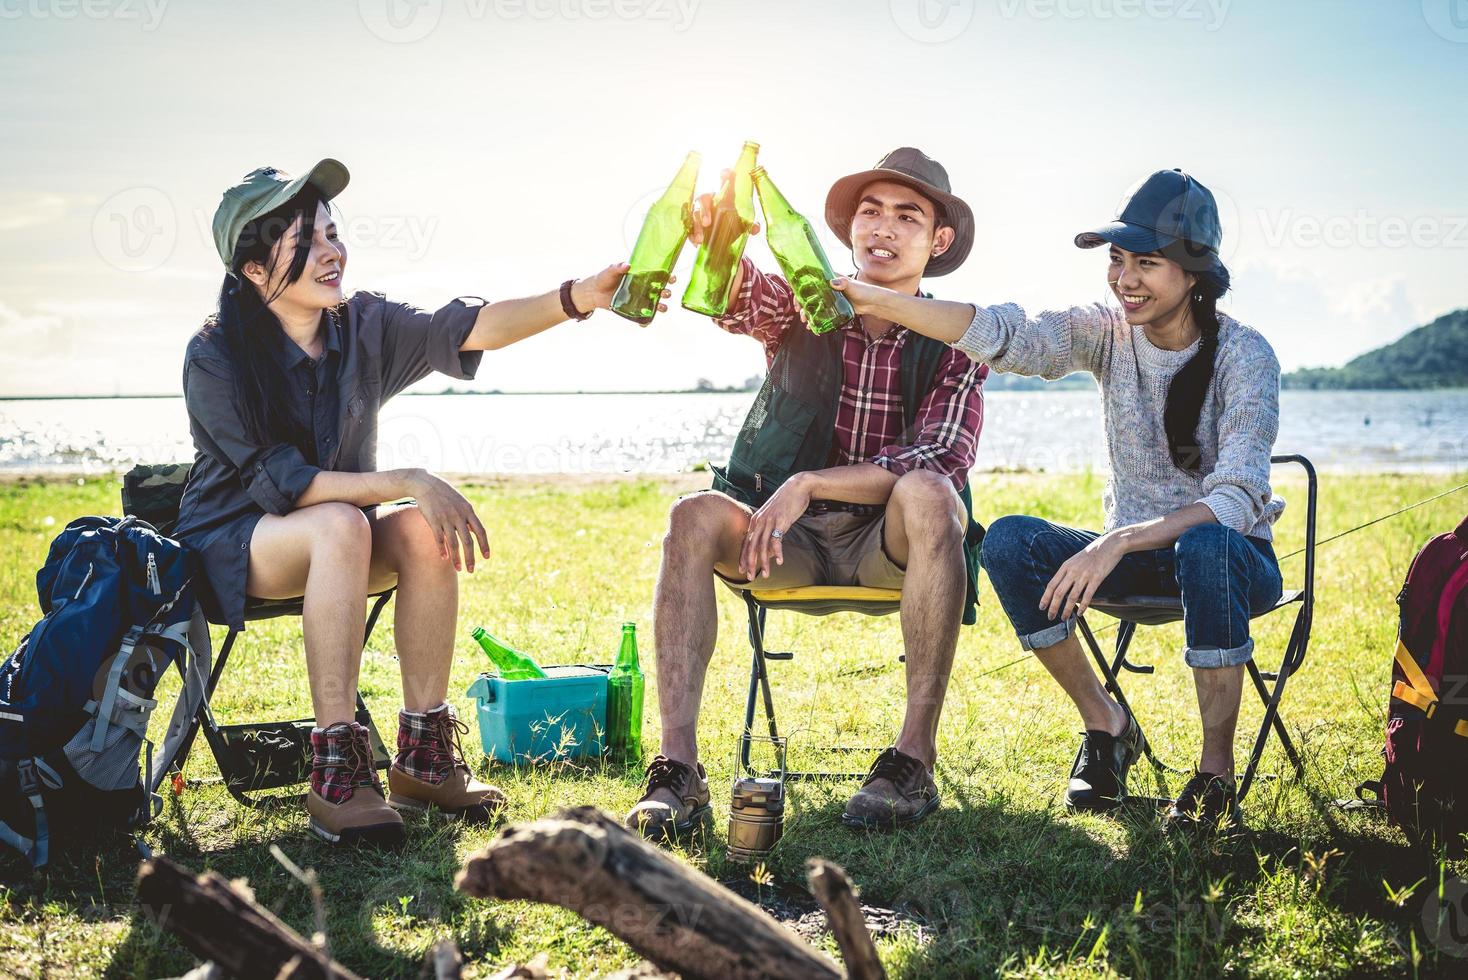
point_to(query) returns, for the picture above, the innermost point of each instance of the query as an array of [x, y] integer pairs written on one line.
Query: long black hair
[[1190, 385], [249, 329]]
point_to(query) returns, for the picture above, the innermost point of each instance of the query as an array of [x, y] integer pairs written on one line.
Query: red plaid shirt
[[869, 416]]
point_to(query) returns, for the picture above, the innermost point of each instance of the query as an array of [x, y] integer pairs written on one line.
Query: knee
[[416, 543], [340, 527], [1008, 540], [929, 505], [1203, 551], [693, 521]]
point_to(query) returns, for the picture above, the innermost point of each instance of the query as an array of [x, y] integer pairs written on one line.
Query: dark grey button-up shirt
[[373, 350]]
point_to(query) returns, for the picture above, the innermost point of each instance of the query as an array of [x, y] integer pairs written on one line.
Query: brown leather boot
[[657, 819], [899, 791], [430, 769], [345, 804]]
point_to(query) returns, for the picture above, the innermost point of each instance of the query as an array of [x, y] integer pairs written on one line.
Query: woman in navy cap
[[283, 386], [1190, 399]]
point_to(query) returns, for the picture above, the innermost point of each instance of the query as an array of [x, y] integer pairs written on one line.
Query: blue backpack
[[76, 696]]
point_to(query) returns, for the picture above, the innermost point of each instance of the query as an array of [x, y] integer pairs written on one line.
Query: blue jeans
[[1222, 577]]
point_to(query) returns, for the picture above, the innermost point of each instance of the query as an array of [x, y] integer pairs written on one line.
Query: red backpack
[[1424, 788]]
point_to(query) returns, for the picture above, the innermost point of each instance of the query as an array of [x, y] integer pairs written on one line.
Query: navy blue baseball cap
[[1170, 211]]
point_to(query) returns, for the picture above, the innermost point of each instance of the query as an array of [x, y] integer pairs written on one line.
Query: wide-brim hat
[[263, 190], [1170, 212], [910, 166]]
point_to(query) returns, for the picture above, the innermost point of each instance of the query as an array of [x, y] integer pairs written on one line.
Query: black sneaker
[[1098, 781], [1208, 803]]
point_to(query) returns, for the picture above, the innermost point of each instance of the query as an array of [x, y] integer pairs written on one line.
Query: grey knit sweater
[[1236, 429]]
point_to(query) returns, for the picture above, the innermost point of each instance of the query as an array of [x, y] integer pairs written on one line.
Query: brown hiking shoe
[[345, 804], [656, 817], [430, 769], [898, 792]]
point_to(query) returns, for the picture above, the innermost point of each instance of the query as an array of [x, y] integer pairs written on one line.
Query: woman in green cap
[[1190, 401], [283, 385]]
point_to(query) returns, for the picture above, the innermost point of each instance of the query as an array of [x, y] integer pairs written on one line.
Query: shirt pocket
[[357, 441]]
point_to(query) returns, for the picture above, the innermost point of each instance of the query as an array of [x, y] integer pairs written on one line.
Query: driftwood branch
[[832, 889], [583, 860], [221, 922]]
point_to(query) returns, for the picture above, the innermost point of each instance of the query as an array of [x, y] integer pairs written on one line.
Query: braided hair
[[1190, 385]]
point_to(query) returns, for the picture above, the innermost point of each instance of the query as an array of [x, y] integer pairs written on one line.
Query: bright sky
[[498, 147]]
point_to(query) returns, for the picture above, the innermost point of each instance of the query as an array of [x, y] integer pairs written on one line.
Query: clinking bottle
[[723, 243], [664, 231], [802, 259]]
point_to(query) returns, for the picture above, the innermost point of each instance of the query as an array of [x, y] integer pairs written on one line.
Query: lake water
[[649, 433]]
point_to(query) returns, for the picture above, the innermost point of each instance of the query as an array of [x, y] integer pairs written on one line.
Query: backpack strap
[[36, 849], [114, 681], [1417, 691], [193, 667]]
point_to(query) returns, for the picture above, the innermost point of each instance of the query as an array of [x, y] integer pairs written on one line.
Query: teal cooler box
[[560, 716]]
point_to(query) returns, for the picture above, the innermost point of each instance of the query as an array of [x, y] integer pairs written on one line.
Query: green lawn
[[1005, 881]]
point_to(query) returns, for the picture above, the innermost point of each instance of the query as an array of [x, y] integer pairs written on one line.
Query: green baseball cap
[[263, 190]]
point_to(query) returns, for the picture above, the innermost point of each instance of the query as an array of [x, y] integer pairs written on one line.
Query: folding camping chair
[[252, 757], [812, 600], [1134, 611]]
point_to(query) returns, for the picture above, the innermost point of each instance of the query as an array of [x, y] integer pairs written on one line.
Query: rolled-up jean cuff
[[1047, 637], [1213, 657]]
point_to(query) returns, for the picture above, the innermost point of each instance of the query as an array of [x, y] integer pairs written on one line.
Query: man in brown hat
[[851, 469]]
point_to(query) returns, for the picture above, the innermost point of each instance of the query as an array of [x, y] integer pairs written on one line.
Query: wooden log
[[584, 860], [832, 888], [220, 921]]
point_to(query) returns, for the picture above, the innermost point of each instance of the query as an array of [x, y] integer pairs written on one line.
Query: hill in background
[[1432, 356]]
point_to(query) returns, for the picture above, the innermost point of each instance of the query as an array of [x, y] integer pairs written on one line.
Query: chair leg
[[1271, 719], [382, 758], [759, 684], [1109, 673], [202, 716]]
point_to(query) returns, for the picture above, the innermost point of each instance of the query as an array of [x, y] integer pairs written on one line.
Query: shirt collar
[[290, 355]]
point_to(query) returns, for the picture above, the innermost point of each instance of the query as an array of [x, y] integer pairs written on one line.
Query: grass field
[[1002, 879]]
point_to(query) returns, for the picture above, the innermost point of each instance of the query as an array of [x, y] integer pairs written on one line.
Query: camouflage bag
[[154, 491]]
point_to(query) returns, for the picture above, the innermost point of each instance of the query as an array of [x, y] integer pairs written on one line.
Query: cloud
[[26, 209], [1312, 321]]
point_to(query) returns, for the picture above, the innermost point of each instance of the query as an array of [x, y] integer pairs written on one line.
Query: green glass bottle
[[664, 231], [624, 701], [723, 242], [511, 663], [802, 259]]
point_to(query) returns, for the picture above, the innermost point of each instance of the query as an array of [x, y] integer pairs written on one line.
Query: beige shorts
[[834, 548]]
